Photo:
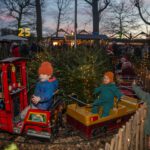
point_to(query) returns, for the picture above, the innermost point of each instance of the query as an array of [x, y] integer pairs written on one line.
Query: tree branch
[[137, 4], [106, 2], [89, 2]]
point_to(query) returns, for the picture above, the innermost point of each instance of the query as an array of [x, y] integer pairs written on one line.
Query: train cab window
[[2, 105], [16, 105], [37, 117]]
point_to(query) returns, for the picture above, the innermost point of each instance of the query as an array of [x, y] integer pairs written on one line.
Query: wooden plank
[[137, 132], [112, 144], [143, 116], [107, 146], [127, 135], [142, 135], [116, 142], [124, 140], [120, 142]]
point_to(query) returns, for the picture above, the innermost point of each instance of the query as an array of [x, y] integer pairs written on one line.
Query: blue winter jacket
[[45, 90]]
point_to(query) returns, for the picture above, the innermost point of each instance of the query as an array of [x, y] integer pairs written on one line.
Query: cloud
[[147, 1], [7, 18]]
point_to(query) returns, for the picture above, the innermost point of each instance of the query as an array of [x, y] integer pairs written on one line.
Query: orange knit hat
[[45, 68], [110, 75]]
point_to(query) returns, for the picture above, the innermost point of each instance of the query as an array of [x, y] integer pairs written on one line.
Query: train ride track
[[64, 138]]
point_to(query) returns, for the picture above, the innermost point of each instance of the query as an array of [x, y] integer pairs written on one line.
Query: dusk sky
[[84, 17]]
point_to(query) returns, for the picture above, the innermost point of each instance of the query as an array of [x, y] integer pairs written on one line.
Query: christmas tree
[[78, 71]]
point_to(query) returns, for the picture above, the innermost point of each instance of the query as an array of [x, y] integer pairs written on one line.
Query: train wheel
[[51, 140], [99, 131]]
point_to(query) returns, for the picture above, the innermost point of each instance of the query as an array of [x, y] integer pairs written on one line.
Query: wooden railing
[[131, 135]]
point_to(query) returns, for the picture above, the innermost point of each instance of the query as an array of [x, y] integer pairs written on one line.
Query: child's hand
[[35, 99]]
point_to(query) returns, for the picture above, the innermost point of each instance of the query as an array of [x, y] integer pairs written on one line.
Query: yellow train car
[[91, 125]]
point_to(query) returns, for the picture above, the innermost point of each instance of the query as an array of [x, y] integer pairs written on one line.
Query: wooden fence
[[131, 135]]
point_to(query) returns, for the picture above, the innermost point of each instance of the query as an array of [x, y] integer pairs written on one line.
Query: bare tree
[[62, 6], [98, 6], [17, 9], [121, 19], [38, 19], [138, 4]]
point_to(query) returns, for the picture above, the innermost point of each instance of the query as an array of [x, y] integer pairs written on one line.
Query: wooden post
[[124, 140], [127, 135], [142, 130], [116, 142], [107, 146], [137, 131], [133, 132], [112, 144], [120, 142]]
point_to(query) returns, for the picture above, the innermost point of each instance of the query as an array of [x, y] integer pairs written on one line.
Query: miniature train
[[45, 124]]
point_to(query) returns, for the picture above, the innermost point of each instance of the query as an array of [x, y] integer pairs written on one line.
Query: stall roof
[[89, 37], [12, 59], [130, 41], [12, 37]]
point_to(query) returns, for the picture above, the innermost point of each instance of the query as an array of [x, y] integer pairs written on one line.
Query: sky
[[49, 17], [83, 18]]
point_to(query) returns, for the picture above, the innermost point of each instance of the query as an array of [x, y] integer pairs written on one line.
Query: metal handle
[[76, 100]]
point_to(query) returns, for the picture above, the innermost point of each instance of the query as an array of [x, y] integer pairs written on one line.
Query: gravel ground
[[61, 143]]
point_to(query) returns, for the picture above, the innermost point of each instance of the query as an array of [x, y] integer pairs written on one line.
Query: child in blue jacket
[[44, 90], [107, 91]]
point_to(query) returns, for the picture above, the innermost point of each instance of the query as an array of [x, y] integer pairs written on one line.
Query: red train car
[[13, 91], [13, 99]]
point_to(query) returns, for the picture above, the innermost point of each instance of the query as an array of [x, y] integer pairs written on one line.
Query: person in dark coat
[[16, 51]]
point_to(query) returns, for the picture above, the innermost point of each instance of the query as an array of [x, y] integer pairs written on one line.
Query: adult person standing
[[146, 98], [15, 50]]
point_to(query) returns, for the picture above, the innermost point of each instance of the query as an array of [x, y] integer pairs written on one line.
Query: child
[[107, 92], [146, 98], [44, 91]]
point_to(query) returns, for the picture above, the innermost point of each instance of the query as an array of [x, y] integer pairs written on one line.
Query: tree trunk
[[121, 29], [95, 17], [140, 13], [19, 19], [38, 20], [95, 13], [58, 23]]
